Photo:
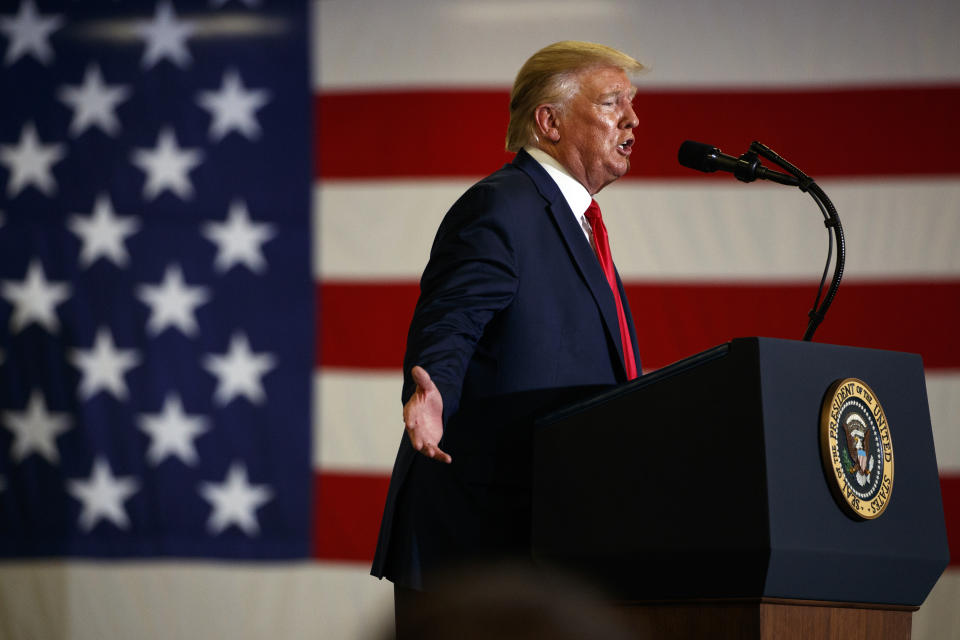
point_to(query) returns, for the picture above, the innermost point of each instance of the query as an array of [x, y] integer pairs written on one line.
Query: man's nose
[[630, 119]]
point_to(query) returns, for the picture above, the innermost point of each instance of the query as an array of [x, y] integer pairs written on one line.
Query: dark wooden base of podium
[[769, 618]]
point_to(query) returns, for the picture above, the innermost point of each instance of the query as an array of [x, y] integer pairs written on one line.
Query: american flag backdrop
[[213, 216]]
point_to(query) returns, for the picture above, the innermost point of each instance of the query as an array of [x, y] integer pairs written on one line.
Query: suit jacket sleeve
[[471, 275]]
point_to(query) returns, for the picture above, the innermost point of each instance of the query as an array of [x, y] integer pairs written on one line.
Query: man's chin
[[621, 169]]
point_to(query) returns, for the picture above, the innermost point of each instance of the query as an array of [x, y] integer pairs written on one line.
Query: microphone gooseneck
[[747, 168]]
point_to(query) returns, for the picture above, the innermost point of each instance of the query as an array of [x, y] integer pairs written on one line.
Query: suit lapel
[[580, 250]]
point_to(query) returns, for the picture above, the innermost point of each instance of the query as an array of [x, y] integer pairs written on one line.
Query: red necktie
[[606, 261]]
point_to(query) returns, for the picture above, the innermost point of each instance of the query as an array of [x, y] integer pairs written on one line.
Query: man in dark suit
[[515, 308]]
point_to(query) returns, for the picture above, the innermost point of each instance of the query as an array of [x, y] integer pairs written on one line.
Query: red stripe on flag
[[349, 507], [346, 515], [826, 132], [950, 491], [426, 133], [675, 320], [364, 325]]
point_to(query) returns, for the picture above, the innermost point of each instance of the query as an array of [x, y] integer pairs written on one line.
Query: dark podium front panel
[[705, 480]]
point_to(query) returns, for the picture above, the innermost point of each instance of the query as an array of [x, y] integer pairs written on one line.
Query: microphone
[[707, 158]]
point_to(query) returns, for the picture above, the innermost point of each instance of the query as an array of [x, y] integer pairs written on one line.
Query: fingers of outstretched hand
[[436, 453], [429, 449], [424, 444]]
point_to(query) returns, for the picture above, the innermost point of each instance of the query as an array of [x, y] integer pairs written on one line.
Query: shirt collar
[[576, 195]]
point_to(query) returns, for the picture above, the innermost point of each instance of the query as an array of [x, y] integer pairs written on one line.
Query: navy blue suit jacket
[[514, 316]]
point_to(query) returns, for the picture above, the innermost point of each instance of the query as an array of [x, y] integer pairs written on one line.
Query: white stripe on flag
[[701, 230], [939, 616], [359, 424], [160, 600], [943, 395]]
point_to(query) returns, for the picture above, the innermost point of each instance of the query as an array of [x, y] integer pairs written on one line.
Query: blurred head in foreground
[[512, 602]]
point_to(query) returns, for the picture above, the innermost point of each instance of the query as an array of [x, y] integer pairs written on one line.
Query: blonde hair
[[550, 77]]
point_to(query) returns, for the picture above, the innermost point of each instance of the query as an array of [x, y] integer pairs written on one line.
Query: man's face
[[596, 128]]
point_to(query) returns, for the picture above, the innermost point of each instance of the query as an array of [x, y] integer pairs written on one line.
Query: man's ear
[[547, 117]]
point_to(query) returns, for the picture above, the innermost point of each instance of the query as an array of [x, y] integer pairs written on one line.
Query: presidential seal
[[856, 448]]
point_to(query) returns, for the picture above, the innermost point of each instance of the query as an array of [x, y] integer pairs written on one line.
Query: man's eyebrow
[[631, 92]]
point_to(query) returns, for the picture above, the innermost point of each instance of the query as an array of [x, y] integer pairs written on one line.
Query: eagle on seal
[[858, 439]]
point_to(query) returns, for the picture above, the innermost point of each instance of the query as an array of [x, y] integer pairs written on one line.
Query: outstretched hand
[[423, 417]]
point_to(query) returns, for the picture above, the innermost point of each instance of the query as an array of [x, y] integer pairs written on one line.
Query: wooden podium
[[699, 498]]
